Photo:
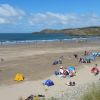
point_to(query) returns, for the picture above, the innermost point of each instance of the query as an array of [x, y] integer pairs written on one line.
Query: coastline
[[32, 59], [73, 39], [35, 62]]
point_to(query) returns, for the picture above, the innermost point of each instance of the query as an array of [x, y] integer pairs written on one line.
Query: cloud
[[9, 14], [20, 20], [50, 19]]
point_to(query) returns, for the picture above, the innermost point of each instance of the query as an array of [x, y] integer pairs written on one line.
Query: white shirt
[[61, 71]]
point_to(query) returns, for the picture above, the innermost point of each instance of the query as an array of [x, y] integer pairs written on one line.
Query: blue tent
[[90, 57], [71, 68], [49, 82], [98, 54], [94, 53]]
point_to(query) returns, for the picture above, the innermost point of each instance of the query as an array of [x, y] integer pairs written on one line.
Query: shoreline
[[35, 62], [25, 42]]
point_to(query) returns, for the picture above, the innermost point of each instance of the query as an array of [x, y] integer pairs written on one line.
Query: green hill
[[75, 31]]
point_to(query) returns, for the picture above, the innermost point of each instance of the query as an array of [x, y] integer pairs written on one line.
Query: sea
[[22, 38]]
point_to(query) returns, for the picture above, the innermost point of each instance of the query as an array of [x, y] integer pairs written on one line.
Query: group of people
[[65, 72], [58, 61], [82, 59]]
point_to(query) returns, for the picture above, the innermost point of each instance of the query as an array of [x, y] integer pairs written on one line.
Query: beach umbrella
[[71, 68]]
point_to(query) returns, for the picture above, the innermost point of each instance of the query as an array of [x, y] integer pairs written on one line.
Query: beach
[[35, 62]]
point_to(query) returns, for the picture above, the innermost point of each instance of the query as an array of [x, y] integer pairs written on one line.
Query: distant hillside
[[75, 31]]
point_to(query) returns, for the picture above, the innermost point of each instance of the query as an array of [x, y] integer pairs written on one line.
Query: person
[[75, 55], [71, 74], [61, 70], [85, 53], [30, 97], [60, 61], [71, 83], [88, 61], [95, 70], [80, 60], [65, 72]]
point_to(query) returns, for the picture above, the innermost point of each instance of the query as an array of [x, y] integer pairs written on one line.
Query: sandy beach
[[35, 62]]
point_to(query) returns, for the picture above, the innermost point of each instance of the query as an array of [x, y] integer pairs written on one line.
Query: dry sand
[[35, 62]]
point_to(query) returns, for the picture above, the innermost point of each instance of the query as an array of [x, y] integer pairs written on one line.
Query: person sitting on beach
[[30, 97], [61, 70], [57, 61], [71, 74], [75, 55], [60, 61], [65, 72], [70, 83], [82, 60], [95, 70]]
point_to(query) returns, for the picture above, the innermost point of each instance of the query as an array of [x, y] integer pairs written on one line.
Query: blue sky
[[35, 15]]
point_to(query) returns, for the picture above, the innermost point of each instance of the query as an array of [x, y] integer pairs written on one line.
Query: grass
[[93, 94]]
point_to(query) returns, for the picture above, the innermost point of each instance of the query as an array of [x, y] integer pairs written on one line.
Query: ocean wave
[[53, 40]]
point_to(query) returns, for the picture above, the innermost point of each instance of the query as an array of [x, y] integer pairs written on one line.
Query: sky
[[26, 16]]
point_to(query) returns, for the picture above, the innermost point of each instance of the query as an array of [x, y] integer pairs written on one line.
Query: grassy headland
[[87, 31]]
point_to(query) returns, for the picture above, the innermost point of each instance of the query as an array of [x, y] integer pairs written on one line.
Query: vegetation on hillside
[[75, 31]]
